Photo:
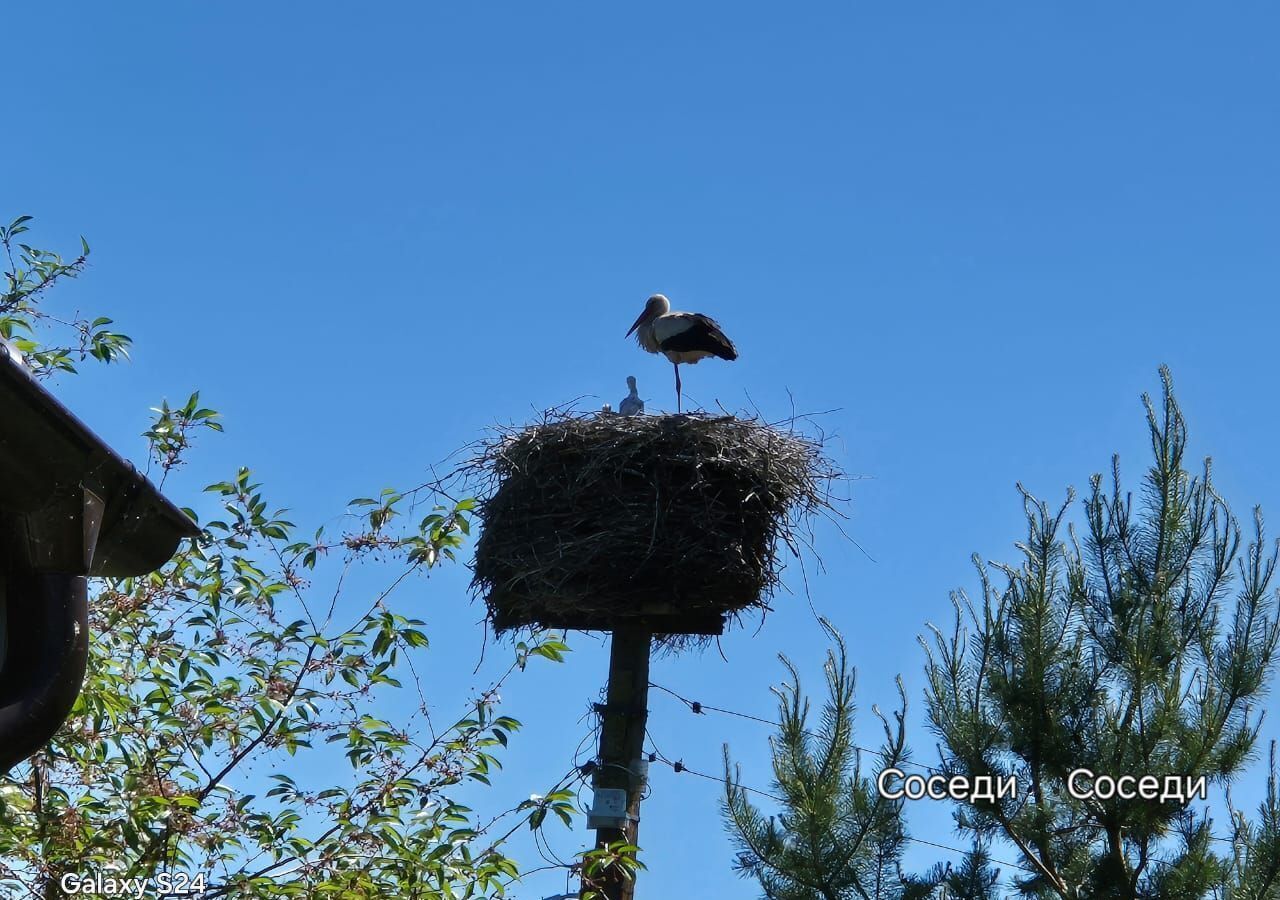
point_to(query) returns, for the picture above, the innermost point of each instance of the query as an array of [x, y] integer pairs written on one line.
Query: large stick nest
[[593, 521]]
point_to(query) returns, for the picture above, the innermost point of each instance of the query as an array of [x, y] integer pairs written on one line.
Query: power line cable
[[679, 766], [699, 708]]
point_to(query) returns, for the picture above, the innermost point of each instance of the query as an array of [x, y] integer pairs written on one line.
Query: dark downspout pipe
[[46, 633]]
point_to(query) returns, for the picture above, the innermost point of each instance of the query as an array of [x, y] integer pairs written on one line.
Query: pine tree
[[835, 837], [974, 879], [1142, 650], [1255, 865]]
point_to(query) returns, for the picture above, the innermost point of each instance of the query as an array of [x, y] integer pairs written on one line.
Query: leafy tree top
[[834, 837], [1141, 647], [210, 676]]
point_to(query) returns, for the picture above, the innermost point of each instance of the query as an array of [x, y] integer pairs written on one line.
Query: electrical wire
[[679, 766], [699, 708]]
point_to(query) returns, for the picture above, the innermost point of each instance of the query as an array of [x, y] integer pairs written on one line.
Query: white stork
[[680, 336], [631, 404]]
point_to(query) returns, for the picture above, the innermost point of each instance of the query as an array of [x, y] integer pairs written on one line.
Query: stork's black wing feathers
[[702, 334]]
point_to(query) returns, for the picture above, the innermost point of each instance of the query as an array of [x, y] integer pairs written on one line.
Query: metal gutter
[[48, 458]]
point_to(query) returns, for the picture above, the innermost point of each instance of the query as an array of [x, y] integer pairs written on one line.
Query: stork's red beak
[[644, 316]]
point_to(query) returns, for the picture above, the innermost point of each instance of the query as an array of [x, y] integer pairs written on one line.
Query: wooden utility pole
[[622, 732]]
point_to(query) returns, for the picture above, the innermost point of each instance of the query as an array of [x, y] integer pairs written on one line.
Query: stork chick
[[681, 337], [631, 404]]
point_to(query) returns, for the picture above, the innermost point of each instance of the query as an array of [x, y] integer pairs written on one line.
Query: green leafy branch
[[170, 434], [603, 864], [24, 324]]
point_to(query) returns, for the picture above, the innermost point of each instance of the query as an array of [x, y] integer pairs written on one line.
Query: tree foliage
[[834, 837], [26, 325], [211, 679], [1254, 868], [1142, 648], [974, 879]]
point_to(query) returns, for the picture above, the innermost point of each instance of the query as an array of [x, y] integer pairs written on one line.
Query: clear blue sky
[[367, 232]]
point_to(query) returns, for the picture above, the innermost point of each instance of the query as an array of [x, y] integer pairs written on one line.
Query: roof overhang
[[71, 504]]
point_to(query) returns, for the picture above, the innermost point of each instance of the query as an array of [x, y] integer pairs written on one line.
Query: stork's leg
[[677, 365]]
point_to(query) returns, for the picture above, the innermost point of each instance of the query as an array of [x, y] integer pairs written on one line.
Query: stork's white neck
[[646, 338]]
